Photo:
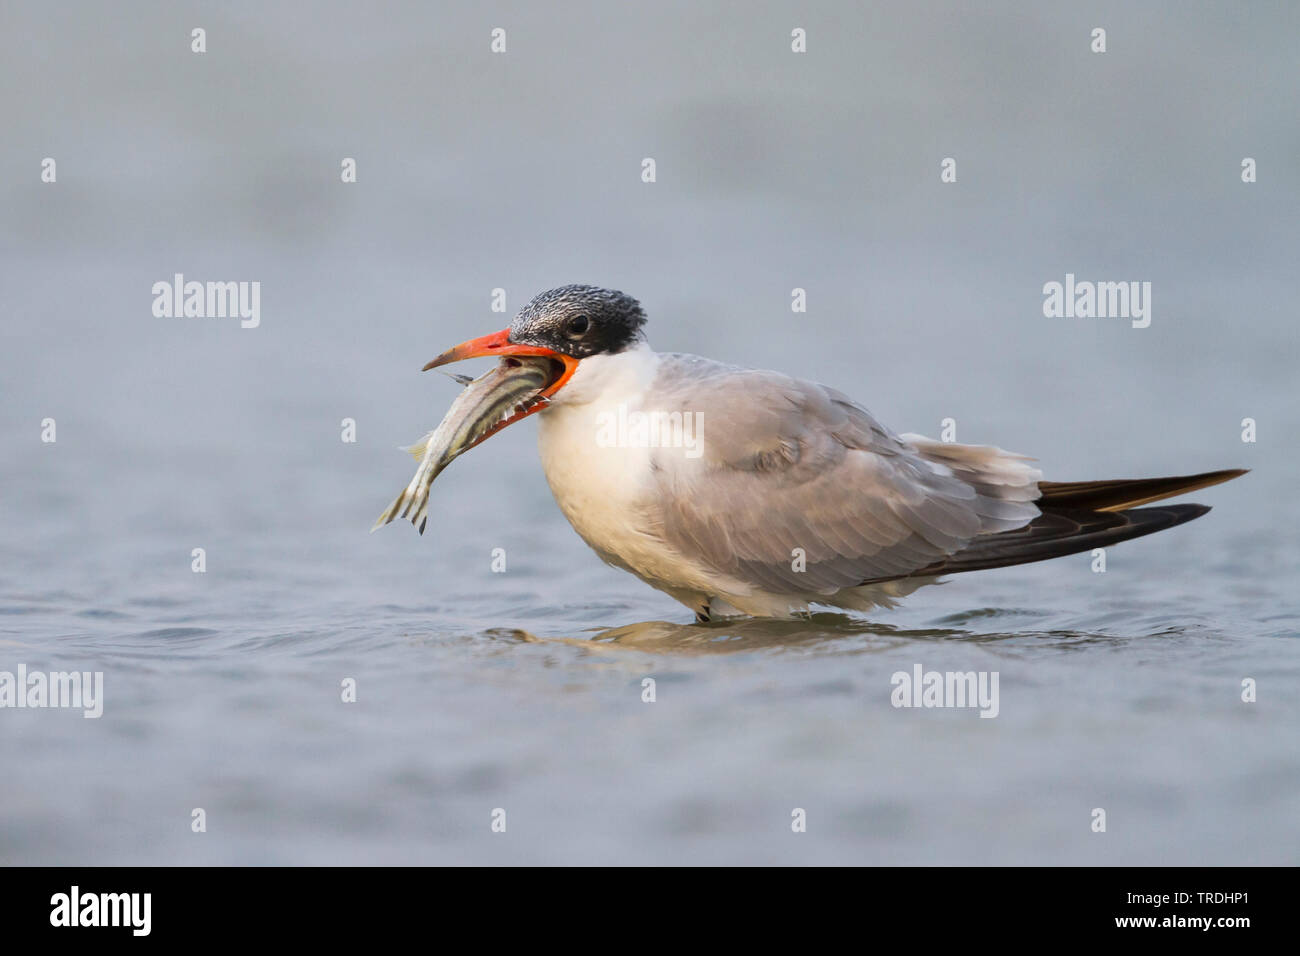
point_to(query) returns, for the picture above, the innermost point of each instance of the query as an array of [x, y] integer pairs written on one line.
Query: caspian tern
[[739, 491]]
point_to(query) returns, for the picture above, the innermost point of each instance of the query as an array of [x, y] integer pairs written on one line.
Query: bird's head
[[563, 326], [579, 321]]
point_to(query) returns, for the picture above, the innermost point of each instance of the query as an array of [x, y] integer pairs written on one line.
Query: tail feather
[[1079, 516], [1055, 534], [1125, 493]]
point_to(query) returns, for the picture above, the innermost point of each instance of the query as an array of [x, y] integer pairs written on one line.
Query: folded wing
[[798, 490]]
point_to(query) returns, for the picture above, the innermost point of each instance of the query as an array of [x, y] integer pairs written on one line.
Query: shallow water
[[523, 690]]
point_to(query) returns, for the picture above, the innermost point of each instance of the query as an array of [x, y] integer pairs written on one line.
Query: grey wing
[[798, 490]]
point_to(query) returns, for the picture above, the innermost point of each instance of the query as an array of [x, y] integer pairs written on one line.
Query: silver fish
[[479, 410]]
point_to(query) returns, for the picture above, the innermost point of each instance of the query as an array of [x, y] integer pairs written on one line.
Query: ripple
[[985, 613], [170, 635], [103, 614]]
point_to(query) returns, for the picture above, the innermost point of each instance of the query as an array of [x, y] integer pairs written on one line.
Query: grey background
[[522, 170]]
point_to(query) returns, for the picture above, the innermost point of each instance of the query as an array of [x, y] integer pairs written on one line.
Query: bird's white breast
[[603, 483]]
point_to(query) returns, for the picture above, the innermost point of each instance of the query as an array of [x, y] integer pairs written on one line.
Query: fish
[[463, 379], [487, 404]]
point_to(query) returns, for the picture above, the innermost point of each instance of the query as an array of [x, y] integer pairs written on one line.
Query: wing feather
[[788, 466]]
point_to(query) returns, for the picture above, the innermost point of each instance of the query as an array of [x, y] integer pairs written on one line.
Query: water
[[523, 690]]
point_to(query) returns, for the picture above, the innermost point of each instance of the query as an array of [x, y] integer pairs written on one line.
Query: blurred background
[[522, 170]]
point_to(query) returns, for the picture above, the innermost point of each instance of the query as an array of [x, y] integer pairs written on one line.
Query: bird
[[740, 491]]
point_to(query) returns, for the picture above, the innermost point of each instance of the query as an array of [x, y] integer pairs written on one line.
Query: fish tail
[[412, 504]]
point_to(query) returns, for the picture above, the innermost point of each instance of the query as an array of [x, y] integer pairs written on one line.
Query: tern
[[738, 491]]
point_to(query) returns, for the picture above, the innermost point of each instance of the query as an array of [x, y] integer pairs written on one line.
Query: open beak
[[498, 345]]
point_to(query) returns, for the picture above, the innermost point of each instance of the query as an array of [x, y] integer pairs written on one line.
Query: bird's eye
[[578, 325]]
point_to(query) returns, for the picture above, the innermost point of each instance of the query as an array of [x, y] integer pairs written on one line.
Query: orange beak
[[498, 345]]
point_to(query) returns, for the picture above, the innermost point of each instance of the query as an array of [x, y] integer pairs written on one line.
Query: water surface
[[523, 690]]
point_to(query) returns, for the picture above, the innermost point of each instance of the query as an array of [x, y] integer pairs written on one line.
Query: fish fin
[[385, 518], [411, 497], [417, 450], [421, 516], [389, 513]]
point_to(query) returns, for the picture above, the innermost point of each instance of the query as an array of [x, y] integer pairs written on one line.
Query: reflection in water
[[745, 634], [849, 634]]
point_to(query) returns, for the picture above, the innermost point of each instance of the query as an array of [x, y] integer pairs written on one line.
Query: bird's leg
[[702, 616]]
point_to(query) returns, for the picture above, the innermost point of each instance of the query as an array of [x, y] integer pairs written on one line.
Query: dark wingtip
[[1218, 477], [1056, 534]]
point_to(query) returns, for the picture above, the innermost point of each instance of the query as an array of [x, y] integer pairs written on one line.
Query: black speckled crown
[[580, 320]]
